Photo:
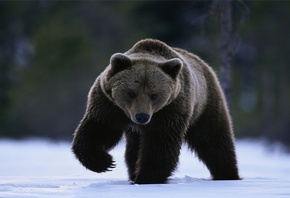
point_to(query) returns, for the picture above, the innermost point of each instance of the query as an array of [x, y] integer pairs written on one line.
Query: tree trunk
[[223, 9]]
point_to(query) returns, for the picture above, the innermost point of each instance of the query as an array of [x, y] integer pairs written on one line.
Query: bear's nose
[[142, 118]]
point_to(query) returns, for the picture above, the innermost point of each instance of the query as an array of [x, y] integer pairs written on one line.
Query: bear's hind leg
[[212, 139], [132, 151]]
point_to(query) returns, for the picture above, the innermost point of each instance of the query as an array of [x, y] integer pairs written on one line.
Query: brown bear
[[159, 97]]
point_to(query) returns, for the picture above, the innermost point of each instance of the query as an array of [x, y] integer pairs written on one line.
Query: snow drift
[[37, 168]]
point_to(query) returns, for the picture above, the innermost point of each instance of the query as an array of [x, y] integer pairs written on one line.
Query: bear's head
[[141, 86]]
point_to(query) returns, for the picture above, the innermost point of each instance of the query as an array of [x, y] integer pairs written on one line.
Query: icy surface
[[39, 168]]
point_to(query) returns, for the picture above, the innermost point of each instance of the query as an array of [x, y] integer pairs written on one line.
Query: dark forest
[[52, 51]]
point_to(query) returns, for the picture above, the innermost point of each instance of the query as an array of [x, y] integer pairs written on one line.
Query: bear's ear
[[119, 62], [172, 67]]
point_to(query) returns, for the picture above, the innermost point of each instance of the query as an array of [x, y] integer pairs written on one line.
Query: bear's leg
[[132, 150], [91, 143], [158, 155], [212, 139]]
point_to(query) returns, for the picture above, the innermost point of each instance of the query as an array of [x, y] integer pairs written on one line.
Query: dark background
[[52, 51]]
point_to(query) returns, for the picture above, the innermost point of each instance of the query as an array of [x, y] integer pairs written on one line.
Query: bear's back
[[153, 47]]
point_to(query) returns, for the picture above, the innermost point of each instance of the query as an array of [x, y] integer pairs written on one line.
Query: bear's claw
[[113, 165]]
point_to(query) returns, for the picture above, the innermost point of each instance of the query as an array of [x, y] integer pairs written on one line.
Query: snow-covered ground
[[39, 168]]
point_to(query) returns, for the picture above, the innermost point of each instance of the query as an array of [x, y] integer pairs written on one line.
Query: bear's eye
[[132, 94], [153, 96]]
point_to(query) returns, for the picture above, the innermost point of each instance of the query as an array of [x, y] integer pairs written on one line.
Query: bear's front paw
[[150, 179], [99, 163]]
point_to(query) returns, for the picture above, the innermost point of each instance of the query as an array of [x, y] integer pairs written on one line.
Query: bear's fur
[[158, 97]]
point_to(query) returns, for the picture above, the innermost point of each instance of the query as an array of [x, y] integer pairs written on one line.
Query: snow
[[41, 168]]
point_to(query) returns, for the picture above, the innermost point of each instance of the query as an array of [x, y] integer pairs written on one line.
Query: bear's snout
[[142, 118]]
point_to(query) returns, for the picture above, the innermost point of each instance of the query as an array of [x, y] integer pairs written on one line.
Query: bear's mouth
[[141, 118]]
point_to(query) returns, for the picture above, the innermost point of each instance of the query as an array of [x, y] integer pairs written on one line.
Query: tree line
[[52, 51]]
